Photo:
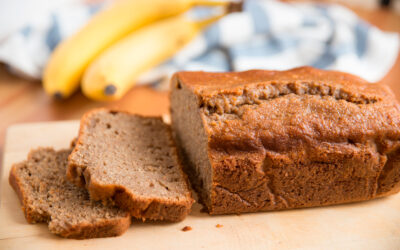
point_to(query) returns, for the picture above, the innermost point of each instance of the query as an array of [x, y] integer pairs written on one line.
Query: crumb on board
[[186, 228], [219, 225]]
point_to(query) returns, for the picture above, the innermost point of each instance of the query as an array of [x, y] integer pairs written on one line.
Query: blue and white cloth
[[268, 34]]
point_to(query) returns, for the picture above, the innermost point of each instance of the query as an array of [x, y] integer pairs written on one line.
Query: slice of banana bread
[[47, 196], [132, 161], [267, 140]]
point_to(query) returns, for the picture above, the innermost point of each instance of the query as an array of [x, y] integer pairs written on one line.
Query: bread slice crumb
[[132, 161], [47, 196]]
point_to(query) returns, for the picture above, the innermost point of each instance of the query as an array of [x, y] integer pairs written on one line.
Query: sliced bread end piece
[[131, 161], [47, 196]]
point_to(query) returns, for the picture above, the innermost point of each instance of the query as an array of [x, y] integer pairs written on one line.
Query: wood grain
[[364, 225], [24, 100]]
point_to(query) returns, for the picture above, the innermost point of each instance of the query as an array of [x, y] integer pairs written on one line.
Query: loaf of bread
[[269, 140], [131, 161], [47, 196]]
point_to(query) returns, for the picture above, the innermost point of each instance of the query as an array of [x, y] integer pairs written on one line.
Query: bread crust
[[290, 139], [138, 207], [31, 215], [103, 228]]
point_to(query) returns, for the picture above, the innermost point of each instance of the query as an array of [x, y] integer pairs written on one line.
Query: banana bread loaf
[[269, 140], [132, 161], [47, 196]]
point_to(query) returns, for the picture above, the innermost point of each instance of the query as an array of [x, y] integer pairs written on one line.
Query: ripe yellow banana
[[69, 60], [114, 72]]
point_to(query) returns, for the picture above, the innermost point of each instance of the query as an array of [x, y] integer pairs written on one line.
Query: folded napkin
[[266, 35]]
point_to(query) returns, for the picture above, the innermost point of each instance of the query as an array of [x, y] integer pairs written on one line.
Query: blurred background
[[356, 36]]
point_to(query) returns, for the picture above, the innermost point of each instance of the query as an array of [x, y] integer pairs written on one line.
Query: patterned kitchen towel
[[268, 34]]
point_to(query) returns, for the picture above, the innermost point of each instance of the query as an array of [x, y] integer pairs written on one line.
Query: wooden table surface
[[25, 101]]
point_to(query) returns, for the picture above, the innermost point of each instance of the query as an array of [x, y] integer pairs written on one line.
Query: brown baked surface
[[47, 196], [286, 139], [131, 161]]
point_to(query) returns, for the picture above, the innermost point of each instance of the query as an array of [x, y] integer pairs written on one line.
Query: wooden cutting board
[[366, 225]]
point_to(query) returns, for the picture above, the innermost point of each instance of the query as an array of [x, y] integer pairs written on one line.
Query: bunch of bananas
[[120, 43]]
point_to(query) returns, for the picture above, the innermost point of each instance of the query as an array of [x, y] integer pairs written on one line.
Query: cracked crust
[[286, 139], [84, 172]]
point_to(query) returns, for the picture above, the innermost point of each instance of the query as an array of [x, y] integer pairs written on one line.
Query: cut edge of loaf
[[140, 208], [193, 161], [102, 228]]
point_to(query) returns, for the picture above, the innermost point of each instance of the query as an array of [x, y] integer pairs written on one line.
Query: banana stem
[[209, 2], [229, 8], [206, 22], [231, 5]]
